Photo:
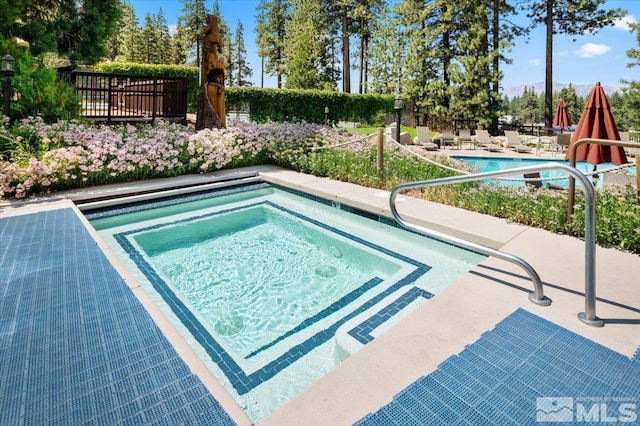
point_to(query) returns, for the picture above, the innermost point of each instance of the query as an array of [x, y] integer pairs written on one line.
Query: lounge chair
[[562, 141], [536, 182], [447, 137], [423, 138], [513, 141], [464, 135], [483, 140]]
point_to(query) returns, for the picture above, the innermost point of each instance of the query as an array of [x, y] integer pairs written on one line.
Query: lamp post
[[7, 69], [397, 107], [326, 115]]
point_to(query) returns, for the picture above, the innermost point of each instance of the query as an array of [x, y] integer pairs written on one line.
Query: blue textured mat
[[513, 374], [76, 345]]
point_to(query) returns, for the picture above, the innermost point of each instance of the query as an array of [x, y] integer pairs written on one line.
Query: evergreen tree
[[270, 30], [470, 73], [365, 15], [151, 40], [575, 104], [193, 20], [80, 31], [309, 49], [231, 65], [631, 91], [164, 38], [244, 72], [529, 109], [385, 55], [179, 45], [568, 17], [125, 42]]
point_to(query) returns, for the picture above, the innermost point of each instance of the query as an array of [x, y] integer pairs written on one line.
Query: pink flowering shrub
[[65, 155]]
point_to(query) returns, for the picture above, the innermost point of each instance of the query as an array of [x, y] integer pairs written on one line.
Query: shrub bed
[[39, 158]]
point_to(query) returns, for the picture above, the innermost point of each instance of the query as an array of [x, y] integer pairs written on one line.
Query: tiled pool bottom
[[77, 346], [526, 371]]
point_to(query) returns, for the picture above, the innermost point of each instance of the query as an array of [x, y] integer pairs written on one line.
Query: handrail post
[[589, 316]]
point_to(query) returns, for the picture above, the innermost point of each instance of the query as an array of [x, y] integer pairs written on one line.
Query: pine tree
[[179, 45], [121, 43], [631, 92], [80, 31], [164, 38], [471, 77], [385, 55], [565, 17], [193, 20], [271, 29], [365, 16], [231, 65], [244, 72], [309, 49]]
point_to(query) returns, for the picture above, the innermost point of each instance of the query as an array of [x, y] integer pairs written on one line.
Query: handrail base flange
[[596, 322], [545, 301]]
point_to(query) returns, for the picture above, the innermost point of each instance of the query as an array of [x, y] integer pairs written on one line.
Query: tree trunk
[[346, 65], [446, 60], [548, 79], [366, 65], [496, 47]]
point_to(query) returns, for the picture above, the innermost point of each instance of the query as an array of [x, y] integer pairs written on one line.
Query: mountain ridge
[[582, 90]]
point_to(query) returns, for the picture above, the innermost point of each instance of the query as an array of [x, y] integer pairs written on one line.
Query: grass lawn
[[371, 130]]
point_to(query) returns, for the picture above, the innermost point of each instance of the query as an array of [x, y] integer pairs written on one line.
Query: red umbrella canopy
[[597, 122], [561, 118]]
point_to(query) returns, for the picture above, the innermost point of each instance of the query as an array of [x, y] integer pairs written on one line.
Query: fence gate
[[115, 98]]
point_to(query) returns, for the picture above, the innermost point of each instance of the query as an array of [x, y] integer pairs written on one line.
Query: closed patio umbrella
[[597, 122], [561, 118]]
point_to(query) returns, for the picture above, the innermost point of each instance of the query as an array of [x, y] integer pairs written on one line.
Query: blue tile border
[[362, 332], [507, 376], [77, 346], [241, 381]]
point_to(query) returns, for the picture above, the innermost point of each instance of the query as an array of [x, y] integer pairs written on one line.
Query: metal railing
[[123, 97], [537, 297]]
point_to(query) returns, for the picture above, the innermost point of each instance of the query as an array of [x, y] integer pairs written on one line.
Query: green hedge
[[275, 105], [282, 105]]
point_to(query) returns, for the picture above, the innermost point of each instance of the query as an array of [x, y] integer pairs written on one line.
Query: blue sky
[[589, 59]]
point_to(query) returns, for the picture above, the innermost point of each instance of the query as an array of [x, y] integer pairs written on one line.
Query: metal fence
[[114, 98]]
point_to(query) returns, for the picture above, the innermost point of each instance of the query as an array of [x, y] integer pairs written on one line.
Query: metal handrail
[[537, 296]]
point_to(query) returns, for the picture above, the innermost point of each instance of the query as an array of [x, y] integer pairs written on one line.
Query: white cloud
[[623, 23], [591, 50], [562, 53], [172, 29], [534, 62]]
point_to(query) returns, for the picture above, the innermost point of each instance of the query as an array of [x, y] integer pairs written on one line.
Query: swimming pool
[[273, 289], [488, 164]]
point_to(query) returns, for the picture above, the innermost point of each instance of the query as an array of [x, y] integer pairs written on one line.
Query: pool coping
[[371, 377]]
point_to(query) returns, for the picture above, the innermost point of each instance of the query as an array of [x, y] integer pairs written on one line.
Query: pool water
[[488, 164], [268, 286]]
